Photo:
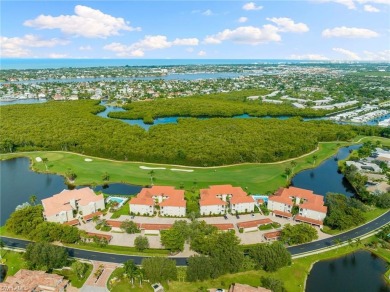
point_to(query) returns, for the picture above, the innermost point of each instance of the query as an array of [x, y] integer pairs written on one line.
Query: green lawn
[[14, 261], [293, 276], [73, 278], [124, 210], [116, 249], [255, 178]]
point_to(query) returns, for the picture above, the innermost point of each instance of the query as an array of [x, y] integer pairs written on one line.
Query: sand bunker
[[88, 159], [146, 167], [185, 170]]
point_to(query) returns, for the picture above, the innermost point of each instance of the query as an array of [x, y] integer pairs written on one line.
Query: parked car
[[253, 215], [237, 216], [225, 216]]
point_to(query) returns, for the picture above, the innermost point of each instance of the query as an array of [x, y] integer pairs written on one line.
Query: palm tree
[[105, 177], [337, 242], [358, 241], [33, 199], [140, 276], [287, 172], [130, 270], [1, 249], [350, 242], [95, 218], [293, 165], [45, 160], [314, 159], [152, 172]]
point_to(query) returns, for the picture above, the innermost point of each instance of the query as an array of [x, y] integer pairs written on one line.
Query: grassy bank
[[294, 276], [72, 276], [255, 178]]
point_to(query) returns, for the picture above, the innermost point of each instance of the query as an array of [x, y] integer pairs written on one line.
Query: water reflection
[[357, 272], [18, 183]]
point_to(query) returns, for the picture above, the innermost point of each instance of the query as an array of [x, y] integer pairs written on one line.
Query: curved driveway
[[182, 261]]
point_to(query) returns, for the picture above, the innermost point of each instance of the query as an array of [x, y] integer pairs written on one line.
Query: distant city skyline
[[352, 30]]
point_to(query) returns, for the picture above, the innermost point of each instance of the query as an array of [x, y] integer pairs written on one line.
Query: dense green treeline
[[72, 126], [213, 105]]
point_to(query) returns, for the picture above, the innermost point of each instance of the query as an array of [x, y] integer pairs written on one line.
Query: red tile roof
[[90, 216], [72, 222], [272, 235], [254, 223], [288, 196], [61, 202], [99, 235], [308, 220], [26, 280], [282, 214], [171, 197], [226, 226], [117, 224], [211, 195], [148, 226]]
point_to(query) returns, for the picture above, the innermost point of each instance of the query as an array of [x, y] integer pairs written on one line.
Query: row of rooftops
[[214, 195], [169, 196], [62, 202], [305, 199], [166, 195]]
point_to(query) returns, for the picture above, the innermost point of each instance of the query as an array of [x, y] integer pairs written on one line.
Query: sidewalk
[[98, 285]]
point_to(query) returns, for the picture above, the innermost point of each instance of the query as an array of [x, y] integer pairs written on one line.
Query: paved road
[[294, 250], [355, 233]]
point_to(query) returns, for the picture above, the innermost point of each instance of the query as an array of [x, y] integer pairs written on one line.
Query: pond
[[18, 183], [361, 271], [325, 177], [173, 120]]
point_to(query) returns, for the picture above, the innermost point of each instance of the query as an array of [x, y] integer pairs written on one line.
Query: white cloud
[[186, 42], [386, 2], [313, 57], [251, 6], [349, 32], [242, 19], [246, 35], [207, 12], [18, 46], [201, 53], [349, 54], [86, 22], [85, 48], [57, 56], [370, 8], [350, 4], [288, 25], [148, 43], [378, 56]]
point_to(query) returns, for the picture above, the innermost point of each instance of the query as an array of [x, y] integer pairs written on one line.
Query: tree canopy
[[45, 256], [73, 126], [298, 234], [343, 212], [158, 269], [270, 257]]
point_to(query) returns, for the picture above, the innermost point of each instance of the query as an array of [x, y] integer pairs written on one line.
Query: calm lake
[[325, 177], [18, 183], [361, 271]]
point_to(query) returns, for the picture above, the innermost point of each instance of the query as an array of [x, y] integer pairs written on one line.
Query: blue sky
[[312, 29]]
